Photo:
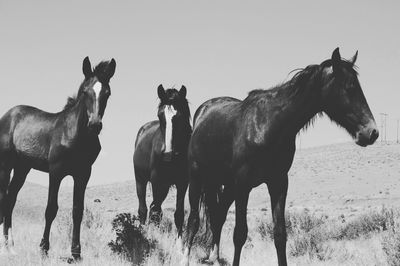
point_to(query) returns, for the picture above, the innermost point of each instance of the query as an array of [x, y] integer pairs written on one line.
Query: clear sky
[[214, 48]]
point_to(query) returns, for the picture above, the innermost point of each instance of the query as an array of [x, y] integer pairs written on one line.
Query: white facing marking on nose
[[169, 113]]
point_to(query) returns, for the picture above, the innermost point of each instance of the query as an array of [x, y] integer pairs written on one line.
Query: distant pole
[[385, 127], [383, 123], [397, 141]]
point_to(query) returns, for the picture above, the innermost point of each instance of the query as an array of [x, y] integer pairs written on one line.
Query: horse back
[[211, 104], [213, 130]]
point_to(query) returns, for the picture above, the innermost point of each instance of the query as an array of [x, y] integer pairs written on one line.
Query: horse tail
[[205, 212]]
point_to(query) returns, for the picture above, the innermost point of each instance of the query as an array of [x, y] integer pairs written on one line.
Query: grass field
[[342, 208]]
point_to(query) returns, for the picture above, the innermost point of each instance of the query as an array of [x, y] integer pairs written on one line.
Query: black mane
[[71, 101], [297, 82], [293, 86], [181, 104]]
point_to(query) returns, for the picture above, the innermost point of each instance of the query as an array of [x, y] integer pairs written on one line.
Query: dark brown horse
[[161, 155], [61, 144], [238, 145]]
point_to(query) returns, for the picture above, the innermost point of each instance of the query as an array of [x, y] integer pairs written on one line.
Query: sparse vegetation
[[356, 232]]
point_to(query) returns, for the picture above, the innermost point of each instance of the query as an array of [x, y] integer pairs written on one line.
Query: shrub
[[131, 240], [391, 247], [367, 224], [295, 222]]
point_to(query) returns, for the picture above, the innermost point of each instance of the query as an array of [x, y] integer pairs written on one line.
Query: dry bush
[[131, 239], [295, 222], [310, 235], [391, 241], [364, 225]]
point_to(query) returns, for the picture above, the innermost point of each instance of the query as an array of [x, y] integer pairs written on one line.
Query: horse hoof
[[3, 251], [44, 253], [12, 251], [185, 262], [71, 260], [179, 244]]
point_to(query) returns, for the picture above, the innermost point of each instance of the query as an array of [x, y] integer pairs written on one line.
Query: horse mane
[[100, 71], [183, 106], [71, 101], [297, 83], [293, 86]]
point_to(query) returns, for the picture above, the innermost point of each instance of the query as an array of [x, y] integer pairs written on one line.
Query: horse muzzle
[[367, 136], [168, 156], [95, 128]]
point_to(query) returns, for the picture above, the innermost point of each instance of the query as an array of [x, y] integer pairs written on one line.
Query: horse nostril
[[374, 135]]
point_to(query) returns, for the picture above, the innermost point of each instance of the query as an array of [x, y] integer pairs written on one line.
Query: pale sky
[[214, 48]]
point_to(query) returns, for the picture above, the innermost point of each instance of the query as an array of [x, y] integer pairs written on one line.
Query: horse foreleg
[[179, 214], [278, 191], [141, 194], [16, 183], [160, 190], [80, 183], [51, 210]]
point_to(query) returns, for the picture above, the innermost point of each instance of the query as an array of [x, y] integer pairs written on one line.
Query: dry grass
[[369, 239], [95, 234], [333, 215]]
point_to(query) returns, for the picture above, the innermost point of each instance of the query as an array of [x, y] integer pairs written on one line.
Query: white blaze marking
[[97, 88], [169, 113]]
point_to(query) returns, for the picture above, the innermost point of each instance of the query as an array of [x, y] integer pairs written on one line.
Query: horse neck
[[76, 118], [283, 112]]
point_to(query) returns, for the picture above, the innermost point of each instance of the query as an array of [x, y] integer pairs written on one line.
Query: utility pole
[[397, 141], [383, 123]]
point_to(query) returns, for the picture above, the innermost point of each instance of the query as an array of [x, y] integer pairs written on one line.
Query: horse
[[237, 145], [160, 155], [61, 144]]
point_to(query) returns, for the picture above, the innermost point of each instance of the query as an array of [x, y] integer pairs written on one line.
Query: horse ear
[[182, 92], [336, 60], [86, 67], [111, 68], [354, 58], [161, 92]]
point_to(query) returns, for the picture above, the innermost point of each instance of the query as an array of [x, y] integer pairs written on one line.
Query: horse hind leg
[[51, 210], [218, 217], [19, 177], [195, 187], [241, 229]]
